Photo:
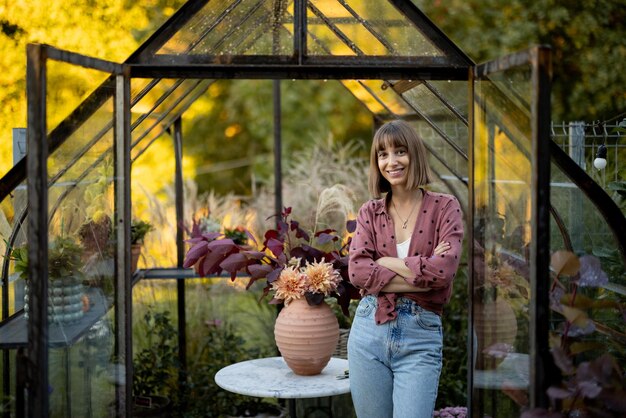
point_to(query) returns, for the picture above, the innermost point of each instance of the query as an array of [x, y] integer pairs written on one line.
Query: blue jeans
[[395, 367]]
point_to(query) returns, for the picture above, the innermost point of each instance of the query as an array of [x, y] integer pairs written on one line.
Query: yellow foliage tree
[[108, 29]]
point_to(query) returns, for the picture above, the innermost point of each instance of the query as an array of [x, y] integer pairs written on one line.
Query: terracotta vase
[[494, 323], [306, 336], [135, 252]]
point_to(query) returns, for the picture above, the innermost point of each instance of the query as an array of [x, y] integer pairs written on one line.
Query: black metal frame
[[541, 363], [146, 63]]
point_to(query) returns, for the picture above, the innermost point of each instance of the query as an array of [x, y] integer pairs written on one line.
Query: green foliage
[[155, 367], [220, 348], [238, 122], [138, 231], [453, 380], [108, 29], [587, 40], [20, 256], [238, 235], [64, 258]]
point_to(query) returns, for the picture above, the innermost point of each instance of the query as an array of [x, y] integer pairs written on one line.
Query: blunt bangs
[[395, 134]]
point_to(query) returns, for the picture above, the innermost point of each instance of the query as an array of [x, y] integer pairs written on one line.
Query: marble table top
[[512, 373], [272, 378]]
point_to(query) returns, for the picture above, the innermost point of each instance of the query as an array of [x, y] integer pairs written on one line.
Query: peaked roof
[[315, 36]]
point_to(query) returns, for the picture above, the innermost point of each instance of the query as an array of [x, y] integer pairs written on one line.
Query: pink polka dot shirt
[[439, 219]]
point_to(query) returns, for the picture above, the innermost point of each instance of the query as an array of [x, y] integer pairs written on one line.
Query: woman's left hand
[[441, 248]]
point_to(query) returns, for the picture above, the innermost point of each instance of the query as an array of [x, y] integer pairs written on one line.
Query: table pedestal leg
[[292, 408]]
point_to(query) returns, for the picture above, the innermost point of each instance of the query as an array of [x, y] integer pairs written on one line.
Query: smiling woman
[[404, 256]]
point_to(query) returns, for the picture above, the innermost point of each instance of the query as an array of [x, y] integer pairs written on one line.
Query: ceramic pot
[[65, 300], [306, 336], [494, 323], [135, 252]]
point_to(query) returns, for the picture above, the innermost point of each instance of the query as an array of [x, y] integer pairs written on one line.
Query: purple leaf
[[270, 233], [589, 389], [301, 233], [558, 393], [562, 360], [211, 235], [351, 225], [591, 273], [251, 238], [308, 253], [222, 246], [234, 262], [282, 226], [199, 266], [324, 238], [212, 262], [273, 276], [275, 246], [254, 255], [193, 255], [259, 271]]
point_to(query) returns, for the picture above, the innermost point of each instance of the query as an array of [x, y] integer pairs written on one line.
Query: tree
[[108, 29], [587, 39]]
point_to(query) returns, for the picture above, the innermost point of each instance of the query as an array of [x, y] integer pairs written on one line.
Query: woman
[[404, 255]]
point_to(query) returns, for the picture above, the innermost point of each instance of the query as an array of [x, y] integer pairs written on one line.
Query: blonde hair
[[398, 133]]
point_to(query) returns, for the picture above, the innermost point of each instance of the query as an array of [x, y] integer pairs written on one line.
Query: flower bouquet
[[302, 269], [295, 263]]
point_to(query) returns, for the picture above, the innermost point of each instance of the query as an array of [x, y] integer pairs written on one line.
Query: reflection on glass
[[81, 272], [367, 27], [502, 216], [261, 27]]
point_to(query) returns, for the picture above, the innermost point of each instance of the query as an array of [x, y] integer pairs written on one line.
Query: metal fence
[[581, 140]]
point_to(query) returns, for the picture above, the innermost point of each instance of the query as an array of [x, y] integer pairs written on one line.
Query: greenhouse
[[85, 331]]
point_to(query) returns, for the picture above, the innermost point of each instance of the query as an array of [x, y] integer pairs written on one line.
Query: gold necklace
[[404, 223]]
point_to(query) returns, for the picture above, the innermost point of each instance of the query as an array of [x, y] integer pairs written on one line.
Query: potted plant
[[155, 367], [138, 231], [66, 302], [301, 268], [95, 235], [214, 252]]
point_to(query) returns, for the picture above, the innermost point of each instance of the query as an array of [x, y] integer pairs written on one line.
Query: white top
[[403, 248], [272, 378]]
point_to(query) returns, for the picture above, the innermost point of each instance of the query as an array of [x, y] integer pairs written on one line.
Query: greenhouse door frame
[[539, 60], [40, 144]]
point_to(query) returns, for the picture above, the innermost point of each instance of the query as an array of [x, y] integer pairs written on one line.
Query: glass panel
[[502, 222], [437, 145], [378, 100], [13, 223], [159, 105], [429, 105], [454, 92], [81, 262], [450, 181], [74, 83], [600, 286], [367, 27], [225, 324], [261, 27]]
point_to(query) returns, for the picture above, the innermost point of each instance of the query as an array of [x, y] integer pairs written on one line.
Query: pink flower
[[321, 277], [290, 285]]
